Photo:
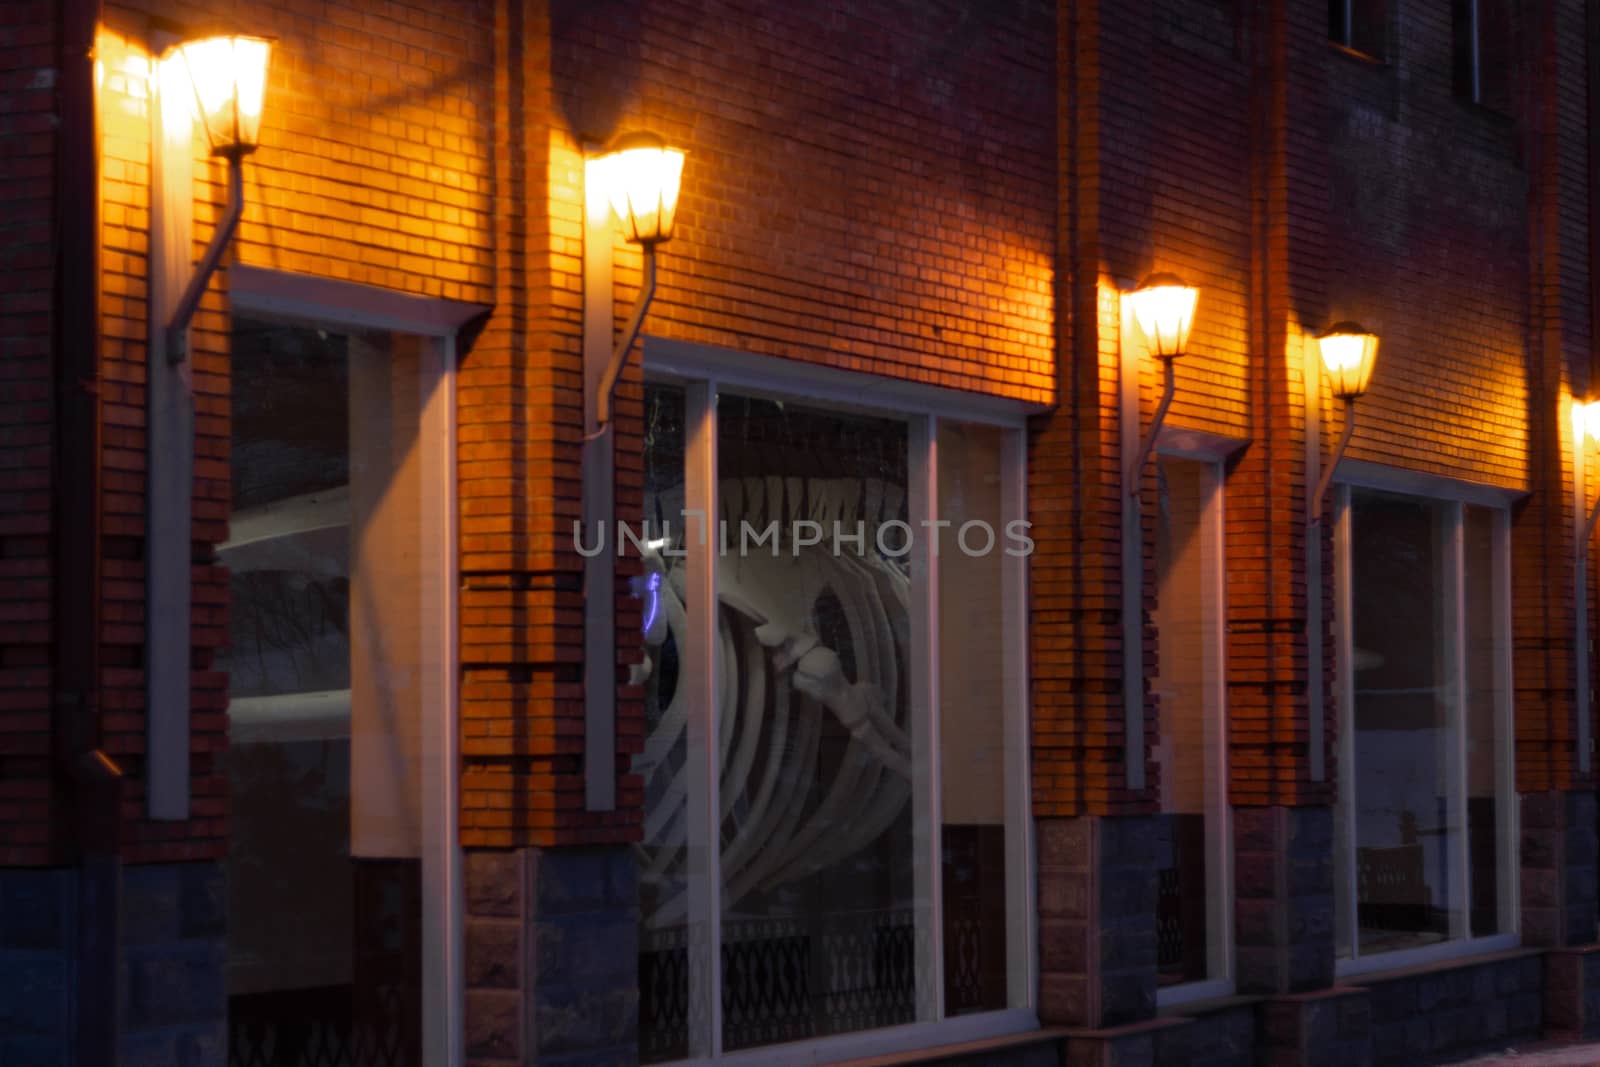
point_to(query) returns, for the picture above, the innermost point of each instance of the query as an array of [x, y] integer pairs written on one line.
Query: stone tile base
[[552, 957], [172, 1003], [1572, 993], [1134, 1045], [1327, 1028]]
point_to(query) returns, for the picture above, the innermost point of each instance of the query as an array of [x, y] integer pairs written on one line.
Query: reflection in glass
[[663, 853], [818, 922], [324, 931], [1404, 662], [1486, 692], [1190, 925], [972, 692]]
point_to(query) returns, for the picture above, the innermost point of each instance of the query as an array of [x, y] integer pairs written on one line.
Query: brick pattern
[[1558, 857], [27, 271], [866, 188], [1097, 919], [1560, 337], [551, 965], [1283, 898]]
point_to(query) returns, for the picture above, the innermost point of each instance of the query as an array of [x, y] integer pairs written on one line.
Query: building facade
[[926, 723]]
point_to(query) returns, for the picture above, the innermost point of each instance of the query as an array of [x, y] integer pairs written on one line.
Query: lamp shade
[[642, 176], [1349, 352], [1163, 308], [229, 75]]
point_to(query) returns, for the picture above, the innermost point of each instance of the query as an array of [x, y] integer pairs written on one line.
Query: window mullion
[[700, 663], [927, 859], [1343, 606], [1021, 949], [1505, 768], [1461, 872]]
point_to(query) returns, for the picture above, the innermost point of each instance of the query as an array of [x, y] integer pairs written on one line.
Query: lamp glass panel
[[1348, 359], [229, 75], [1165, 314], [644, 185]]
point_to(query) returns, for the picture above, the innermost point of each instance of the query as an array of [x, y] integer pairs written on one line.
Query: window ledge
[[965, 1048], [1364, 58], [1191, 1008], [1437, 966]]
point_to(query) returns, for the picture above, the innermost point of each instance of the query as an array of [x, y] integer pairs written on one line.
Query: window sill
[[1364, 58], [1370, 970], [926, 1042], [965, 1048], [1188, 1009]]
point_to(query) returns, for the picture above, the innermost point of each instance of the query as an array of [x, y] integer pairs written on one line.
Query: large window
[[1426, 811], [337, 635], [1194, 901], [834, 766]]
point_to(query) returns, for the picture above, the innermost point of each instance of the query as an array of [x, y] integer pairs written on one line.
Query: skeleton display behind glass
[[812, 730]]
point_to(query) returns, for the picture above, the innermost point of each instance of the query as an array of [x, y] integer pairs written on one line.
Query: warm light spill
[[642, 180], [229, 75], [176, 97], [1586, 422], [1163, 307], [1349, 353]]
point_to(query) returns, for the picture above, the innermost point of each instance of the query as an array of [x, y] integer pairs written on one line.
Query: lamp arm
[[177, 342], [619, 355], [1333, 460], [1149, 443]]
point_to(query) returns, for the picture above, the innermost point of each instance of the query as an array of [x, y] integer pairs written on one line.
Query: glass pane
[[972, 689], [1403, 661], [818, 919], [1486, 690], [663, 853], [1189, 928], [325, 661]]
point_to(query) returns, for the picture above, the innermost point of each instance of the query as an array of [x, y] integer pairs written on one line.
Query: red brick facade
[[952, 194]]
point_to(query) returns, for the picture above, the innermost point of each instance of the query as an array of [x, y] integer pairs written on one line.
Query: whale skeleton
[[778, 679]]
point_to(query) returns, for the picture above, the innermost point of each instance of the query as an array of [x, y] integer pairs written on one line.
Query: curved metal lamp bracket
[[1146, 446], [619, 354], [189, 302], [1333, 461]]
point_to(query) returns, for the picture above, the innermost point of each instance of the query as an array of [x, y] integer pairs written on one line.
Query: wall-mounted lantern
[[633, 182], [1163, 309], [1349, 352], [229, 78], [1160, 313], [222, 81], [640, 177]]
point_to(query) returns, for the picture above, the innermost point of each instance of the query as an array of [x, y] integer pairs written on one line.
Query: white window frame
[[346, 306], [1354, 474], [1211, 452], [704, 371]]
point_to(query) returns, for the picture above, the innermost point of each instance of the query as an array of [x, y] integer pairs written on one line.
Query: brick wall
[[27, 265]]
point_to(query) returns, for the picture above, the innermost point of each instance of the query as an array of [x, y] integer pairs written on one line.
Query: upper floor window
[[1426, 815], [1360, 25], [1482, 58]]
